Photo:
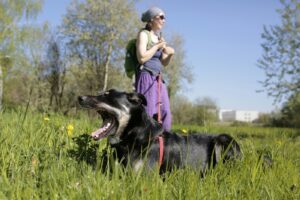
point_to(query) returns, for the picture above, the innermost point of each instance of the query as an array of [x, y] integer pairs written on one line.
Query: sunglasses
[[162, 17]]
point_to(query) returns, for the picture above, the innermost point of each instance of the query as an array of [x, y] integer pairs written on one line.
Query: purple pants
[[147, 85]]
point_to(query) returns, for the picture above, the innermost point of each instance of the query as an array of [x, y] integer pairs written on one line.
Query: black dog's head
[[115, 108]]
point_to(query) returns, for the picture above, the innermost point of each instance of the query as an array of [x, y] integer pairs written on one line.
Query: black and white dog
[[134, 135]]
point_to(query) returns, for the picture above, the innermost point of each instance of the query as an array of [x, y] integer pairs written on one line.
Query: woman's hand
[[144, 54], [161, 44], [168, 50], [167, 54]]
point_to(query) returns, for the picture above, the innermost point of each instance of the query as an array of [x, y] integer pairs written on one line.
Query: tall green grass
[[41, 157]]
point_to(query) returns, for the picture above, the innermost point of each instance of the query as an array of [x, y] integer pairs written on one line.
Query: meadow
[[49, 156]]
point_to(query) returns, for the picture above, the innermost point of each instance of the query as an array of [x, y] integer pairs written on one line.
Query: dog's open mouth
[[108, 127]]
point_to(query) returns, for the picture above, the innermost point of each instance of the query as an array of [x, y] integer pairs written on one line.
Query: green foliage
[[281, 64], [289, 115], [54, 71], [280, 60], [178, 72], [239, 124], [264, 119], [291, 110], [96, 32], [26, 73], [42, 157], [182, 110], [202, 112], [11, 12]]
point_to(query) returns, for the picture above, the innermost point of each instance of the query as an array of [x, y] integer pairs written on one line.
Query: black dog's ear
[[137, 98]]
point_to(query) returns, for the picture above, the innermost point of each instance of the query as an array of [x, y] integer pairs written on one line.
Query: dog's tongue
[[98, 134]]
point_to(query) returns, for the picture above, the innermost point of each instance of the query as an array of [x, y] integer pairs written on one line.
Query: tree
[[11, 12], [54, 71], [201, 112], [206, 110], [290, 111], [5, 61], [182, 110], [263, 119], [96, 32], [177, 72], [23, 80], [281, 53]]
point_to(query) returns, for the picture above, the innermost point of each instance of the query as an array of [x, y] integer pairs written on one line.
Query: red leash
[[160, 138], [158, 99], [161, 150]]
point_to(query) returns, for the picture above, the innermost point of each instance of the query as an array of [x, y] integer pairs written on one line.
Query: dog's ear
[[137, 98]]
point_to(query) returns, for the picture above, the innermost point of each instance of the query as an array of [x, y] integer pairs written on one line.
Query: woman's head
[[154, 17]]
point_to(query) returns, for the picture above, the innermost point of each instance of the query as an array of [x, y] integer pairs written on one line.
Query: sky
[[222, 45]]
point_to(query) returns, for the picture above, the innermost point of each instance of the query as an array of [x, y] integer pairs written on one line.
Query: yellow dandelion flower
[[184, 130], [46, 119], [70, 129]]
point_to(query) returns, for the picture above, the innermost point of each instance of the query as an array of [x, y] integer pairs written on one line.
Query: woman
[[152, 54]]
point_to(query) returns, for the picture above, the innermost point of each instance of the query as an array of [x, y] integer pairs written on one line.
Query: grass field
[[50, 157]]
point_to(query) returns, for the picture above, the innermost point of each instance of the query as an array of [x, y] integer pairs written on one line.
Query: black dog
[[135, 136]]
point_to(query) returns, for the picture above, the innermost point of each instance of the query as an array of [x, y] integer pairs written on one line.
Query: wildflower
[[77, 184], [62, 129], [184, 130], [279, 142], [34, 162], [70, 129], [46, 119]]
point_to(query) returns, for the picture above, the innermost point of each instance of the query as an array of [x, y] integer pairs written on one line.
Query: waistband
[[151, 71]]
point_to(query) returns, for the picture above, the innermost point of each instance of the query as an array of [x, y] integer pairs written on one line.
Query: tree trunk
[[106, 66], [107, 62], [62, 86]]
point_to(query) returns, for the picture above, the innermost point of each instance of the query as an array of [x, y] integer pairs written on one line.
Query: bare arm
[[141, 48], [167, 55]]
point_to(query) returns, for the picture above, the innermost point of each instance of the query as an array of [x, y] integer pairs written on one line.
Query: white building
[[238, 115]]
